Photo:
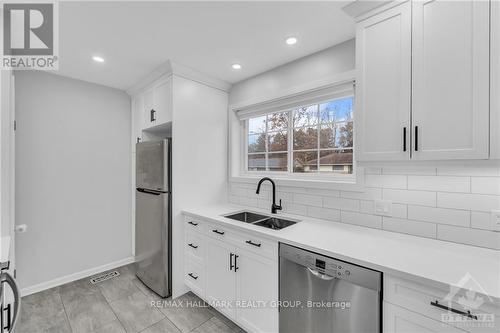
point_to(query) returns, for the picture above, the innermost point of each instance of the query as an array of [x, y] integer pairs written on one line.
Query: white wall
[[72, 176], [449, 201], [315, 67], [199, 158]]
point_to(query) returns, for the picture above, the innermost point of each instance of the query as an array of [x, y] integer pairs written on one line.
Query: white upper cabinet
[[383, 59], [450, 59], [137, 119], [495, 81], [157, 103], [423, 82], [163, 101]]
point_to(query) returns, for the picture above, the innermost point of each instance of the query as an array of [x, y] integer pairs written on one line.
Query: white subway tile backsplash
[[405, 226], [439, 183], [490, 239], [365, 220], [307, 199], [341, 203], [480, 202], [485, 185], [425, 198], [449, 200], [386, 181], [480, 220], [324, 213], [409, 170], [439, 215], [369, 193]]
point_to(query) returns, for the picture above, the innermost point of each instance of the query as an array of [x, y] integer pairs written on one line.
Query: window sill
[[354, 185]]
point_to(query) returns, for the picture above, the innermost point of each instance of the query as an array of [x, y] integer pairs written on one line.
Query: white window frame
[[238, 131]]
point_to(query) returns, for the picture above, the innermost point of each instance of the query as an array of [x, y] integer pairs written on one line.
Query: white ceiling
[[136, 37]]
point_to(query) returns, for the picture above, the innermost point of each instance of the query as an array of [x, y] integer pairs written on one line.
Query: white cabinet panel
[[163, 102], [220, 278], [137, 119], [257, 281], [450, 60], [148, 108], [383, 58], [495, 81], [400, 320]]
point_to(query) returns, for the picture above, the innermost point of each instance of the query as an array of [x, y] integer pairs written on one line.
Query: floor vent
[[104, 277]]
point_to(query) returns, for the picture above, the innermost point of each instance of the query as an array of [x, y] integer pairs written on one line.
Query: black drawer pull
[[153, 117], [218, 232], [236, 262], [193, 246], [193, 276], [463, 313], [252, 243], [192, 223]]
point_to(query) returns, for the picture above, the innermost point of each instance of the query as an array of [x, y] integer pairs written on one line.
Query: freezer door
[[152, 243], [152, 165]]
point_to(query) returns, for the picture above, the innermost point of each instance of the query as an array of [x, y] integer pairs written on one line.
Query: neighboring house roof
[[331, 159]]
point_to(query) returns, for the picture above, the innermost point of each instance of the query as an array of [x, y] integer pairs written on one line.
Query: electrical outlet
[[495, 220], [383, 207]]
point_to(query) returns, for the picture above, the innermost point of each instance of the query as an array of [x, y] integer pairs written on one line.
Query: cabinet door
[[137, 120], [149, 111], [400, 320], [495, 81], [383, 59], [256, 283], [450, 113], [163, 102], [220, 278]]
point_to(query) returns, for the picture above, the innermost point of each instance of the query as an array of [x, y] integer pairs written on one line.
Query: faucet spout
[[274, 206]]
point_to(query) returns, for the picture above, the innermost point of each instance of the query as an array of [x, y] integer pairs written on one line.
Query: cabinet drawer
[[195, 244], [220, 232], [194, 224], [418, 297], [258, 245], [194, 276]]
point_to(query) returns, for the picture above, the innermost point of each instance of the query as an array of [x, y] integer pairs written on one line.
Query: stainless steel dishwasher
[[319, 294]]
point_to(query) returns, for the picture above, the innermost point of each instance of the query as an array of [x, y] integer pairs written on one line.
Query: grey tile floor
[[119, 305]]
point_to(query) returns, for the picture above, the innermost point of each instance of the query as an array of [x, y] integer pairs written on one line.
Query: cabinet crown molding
[[169, 68]]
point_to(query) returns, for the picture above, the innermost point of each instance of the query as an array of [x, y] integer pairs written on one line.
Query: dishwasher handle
[[322, 276]]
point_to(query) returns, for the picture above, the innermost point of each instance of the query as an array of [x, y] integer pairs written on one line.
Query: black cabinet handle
[[416, 138], [193, 276], [152, 116], [218, 232], [193, 246], [404, 138], [463, 313], [192, 223], [236, 262], [231, 255], [8, 326], [252, 243], [138, 140]]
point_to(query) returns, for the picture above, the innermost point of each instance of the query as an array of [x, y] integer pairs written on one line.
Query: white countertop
[[389, 252]]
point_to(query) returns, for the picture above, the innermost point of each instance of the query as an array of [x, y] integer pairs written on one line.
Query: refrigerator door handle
[[143, 190]]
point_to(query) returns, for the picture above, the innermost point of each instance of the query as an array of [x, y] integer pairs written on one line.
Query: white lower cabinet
[[257, 289], [221, 279], [400, 320], [235, 272]]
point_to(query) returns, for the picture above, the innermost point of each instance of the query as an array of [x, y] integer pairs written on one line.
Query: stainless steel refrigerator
[[153, 218]]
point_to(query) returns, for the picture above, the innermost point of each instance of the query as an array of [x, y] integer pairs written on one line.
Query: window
[[312, 139]]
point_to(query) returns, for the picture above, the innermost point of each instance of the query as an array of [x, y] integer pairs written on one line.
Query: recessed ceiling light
[[291, 40], [236, 66], [98, 59]]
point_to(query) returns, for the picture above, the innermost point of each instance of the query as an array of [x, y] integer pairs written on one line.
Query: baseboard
[[75, 276]]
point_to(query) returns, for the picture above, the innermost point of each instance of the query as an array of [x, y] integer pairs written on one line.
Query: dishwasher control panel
[[332, 267]]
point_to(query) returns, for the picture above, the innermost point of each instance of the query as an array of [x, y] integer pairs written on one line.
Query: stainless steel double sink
[[261, 220]]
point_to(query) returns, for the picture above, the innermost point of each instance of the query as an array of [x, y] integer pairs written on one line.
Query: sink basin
[[275, 223], [247, 217]]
